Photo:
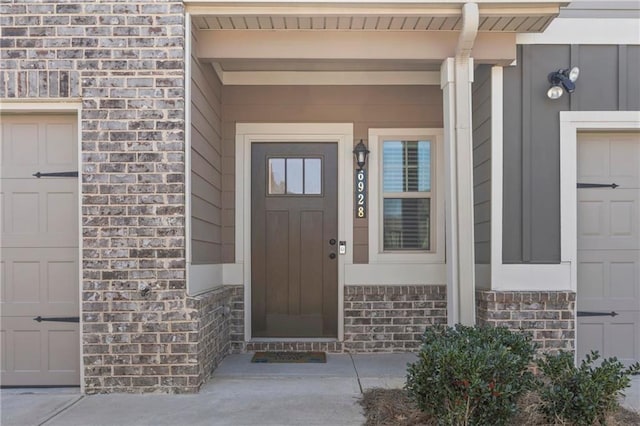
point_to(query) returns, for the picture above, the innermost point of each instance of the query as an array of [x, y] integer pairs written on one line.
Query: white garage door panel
[[39, 353], [609, 284], [609, 245], [608, 219], [40, 282], [40, 212], [39, 248], [33, 144]]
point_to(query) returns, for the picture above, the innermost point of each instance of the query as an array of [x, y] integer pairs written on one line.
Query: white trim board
[[552, 277], [393, 274], [198, 285], [523, 277], [572, 122], [586, 31], [204, 278], [497, 114], [249, 133]]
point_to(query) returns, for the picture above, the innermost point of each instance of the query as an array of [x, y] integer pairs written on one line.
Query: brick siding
[[215, 315], [391, 318], [548, 315], [124, 61]]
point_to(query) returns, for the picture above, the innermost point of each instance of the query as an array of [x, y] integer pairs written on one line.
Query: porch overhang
[[409, 37], [516, 16]]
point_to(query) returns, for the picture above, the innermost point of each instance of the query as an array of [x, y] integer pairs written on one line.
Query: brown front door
[[294, 232], [39, 272]]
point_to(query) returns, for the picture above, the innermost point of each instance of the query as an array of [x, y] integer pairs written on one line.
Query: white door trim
[[72, 107], [572, 122], [248, 133]]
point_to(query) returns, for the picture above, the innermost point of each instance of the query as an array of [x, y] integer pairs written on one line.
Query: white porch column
[[456, 79]]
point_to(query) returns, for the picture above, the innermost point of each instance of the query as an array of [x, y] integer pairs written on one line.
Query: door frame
[[71, 107], [571, 123], [249, 133]]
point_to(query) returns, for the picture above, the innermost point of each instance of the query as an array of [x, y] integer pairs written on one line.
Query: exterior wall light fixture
[[361, 152], [561, 80]]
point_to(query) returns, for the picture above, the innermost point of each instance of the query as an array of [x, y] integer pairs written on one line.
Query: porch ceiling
[[445, 15]]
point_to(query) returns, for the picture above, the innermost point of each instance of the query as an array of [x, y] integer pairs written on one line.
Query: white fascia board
[[367, 7], [586, 31]]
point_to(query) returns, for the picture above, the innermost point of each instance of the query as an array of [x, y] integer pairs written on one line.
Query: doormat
[[289, 357]]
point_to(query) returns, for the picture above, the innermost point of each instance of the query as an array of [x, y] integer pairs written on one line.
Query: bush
[[582, 395], [471, 375]]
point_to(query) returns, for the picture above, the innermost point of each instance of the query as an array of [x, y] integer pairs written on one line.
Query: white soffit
[[444, 15]]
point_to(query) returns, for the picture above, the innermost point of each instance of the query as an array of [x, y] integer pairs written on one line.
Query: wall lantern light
[[561, 80], [361, 152]]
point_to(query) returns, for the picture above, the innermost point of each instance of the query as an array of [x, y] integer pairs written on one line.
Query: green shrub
[[582, 395], [471, 375]]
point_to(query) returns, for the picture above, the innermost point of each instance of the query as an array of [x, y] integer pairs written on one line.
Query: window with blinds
[[406, 195]]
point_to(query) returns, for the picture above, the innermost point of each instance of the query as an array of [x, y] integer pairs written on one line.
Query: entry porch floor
[[240, 393]]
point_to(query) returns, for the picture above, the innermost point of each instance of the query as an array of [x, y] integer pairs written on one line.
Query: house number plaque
[[361, 194]]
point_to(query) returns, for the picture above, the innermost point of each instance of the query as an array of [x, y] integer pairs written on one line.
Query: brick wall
[[216, 315], [391, 318], [125, 62], [548, 315]]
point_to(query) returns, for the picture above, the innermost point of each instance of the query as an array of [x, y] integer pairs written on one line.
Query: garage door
[[609, 245], [39, 250]]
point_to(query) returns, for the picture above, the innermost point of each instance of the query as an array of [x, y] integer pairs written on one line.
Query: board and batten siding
[[364, 106], [481, 104], [608, 82], [206, 159]]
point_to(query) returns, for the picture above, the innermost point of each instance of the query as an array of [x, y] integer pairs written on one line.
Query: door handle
[[55, 174], [596, 314], [332, 255], [332, 241], [57, 319]]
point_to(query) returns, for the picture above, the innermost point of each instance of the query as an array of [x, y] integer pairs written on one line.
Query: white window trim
[[376, 255], [248, 133]]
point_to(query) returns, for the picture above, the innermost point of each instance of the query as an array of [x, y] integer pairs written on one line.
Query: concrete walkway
[[240, 393]]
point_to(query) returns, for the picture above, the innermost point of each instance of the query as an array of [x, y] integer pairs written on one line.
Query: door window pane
[[312, 176], [406, 223], [294, 176], [276, 175]]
